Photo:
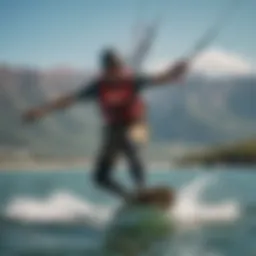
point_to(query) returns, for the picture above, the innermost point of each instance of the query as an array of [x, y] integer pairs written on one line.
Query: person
[[117, 92]]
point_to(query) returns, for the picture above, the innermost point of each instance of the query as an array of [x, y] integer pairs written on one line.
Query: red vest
[[119, 101]]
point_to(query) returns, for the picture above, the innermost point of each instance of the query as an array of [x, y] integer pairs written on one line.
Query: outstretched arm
[[60, 103], [171, 74], [41, 111]]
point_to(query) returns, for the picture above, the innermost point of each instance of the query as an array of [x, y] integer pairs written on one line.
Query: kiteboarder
[[117, 92]]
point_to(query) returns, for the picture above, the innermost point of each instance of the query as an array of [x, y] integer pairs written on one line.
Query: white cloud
[[218, 62], [213, 62]]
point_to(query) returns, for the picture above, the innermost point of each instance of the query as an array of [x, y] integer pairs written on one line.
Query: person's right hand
[[33, 115], [180, 68]]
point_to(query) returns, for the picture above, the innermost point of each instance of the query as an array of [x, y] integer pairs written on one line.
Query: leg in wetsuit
[[116, 141]]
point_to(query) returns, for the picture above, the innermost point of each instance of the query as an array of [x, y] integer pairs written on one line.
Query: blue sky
[[48, 33]]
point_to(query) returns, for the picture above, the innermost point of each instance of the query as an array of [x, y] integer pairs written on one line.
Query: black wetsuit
[[115, 141]]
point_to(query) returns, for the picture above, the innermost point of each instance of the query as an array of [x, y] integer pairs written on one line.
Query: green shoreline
[[238, 153]]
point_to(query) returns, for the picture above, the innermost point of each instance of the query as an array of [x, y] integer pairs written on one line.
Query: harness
[[119, 101]]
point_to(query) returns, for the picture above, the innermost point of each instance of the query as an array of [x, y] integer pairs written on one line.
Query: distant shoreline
[[86, 166], [59, 165], [42, 166]]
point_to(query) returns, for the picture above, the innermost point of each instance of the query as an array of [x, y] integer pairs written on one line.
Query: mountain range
[[200, 110]]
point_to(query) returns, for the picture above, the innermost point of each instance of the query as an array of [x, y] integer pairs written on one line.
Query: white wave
[[190, 208], [63, 206]]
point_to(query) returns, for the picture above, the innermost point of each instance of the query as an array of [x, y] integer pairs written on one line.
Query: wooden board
[[160, 197]]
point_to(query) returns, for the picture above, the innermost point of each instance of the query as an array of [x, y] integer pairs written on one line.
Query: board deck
[[160, 197]]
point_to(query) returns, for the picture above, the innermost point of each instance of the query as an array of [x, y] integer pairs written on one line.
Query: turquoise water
[[62, 213]]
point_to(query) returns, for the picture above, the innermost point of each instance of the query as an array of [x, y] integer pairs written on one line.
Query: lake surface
[[60, 212]]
